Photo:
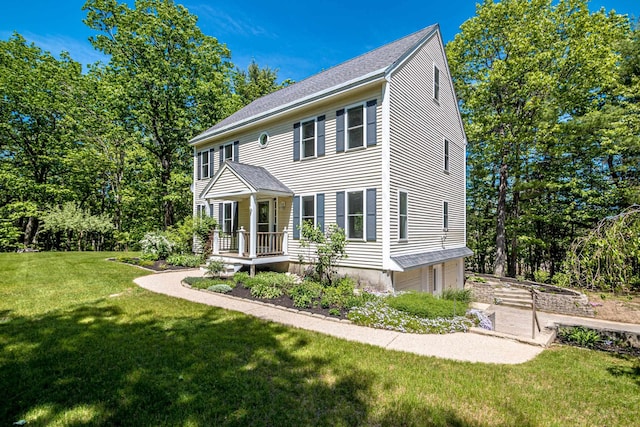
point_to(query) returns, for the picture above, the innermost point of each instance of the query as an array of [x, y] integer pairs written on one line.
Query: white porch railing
[[267, 243]]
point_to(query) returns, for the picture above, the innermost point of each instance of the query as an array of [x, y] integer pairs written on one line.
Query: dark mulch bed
[[159, 265], [603, 346], [284, 301]]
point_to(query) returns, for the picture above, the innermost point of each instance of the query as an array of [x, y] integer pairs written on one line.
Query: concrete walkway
[[468, 347]]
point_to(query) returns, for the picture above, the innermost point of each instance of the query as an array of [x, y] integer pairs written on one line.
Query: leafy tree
[[69, 224], [37, 128], [255, 82], [524, 71], [330, 248], [174, 82]]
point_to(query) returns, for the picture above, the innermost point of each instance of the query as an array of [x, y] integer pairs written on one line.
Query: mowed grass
[[80, 344]]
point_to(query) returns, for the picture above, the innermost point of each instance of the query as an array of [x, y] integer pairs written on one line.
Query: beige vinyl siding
[[418, 126], [451, 279], [230, 182], [334, 172]]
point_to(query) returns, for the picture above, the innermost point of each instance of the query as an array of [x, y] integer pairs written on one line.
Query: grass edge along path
[[81, 345]]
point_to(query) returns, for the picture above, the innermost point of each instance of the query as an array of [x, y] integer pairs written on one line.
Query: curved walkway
[[468, 347]]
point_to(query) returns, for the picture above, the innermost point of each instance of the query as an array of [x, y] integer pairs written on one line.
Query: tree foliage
[[531, 76]]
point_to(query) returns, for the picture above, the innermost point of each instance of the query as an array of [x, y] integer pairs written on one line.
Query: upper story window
[[263, 140], [355, 127], [230, 151], [436, 83], [445, 216], [205, 164], [308, 139], [227, 152], [403, 219], [446, 155]]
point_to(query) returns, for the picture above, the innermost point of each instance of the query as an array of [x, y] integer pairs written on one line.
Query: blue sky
[[299, 38]]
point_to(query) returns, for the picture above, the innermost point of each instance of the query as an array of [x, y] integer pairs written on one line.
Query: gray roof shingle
[[382, 58], [259, 178], [430, 258]]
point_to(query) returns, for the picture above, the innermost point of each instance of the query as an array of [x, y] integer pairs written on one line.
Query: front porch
[[238, 244]]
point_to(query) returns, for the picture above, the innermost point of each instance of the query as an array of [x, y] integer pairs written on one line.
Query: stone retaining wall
[[550, 298]]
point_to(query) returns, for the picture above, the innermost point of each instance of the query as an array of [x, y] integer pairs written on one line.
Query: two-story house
[[375, 145]]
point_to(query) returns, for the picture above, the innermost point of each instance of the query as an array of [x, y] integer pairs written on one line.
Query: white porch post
[[216, 241], [241, 241], [285, 241], [253, 221]]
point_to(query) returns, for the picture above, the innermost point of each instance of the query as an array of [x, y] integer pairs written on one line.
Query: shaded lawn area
[[81, 345]]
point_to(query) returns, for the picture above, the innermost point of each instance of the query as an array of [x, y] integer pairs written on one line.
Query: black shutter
[[236, 151], [296, 142], [371, 214], [296, 217], [371, 122], [235, 216], [320, 210], [320, 127], [340, 209], [340, 131], [199, 165], [220, 214], [211, 167], [221, 155]]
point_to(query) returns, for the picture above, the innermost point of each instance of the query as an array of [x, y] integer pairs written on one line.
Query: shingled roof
[[370, 65], [429, 258], [259, 178]]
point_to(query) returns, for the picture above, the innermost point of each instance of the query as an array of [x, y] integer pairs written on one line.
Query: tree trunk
[[501, 240], [165, 179], [30, 231], [513, 254]]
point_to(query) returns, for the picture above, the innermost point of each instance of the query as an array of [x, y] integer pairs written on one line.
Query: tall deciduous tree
[[37, 130], [175, 82], [524, 70], [255, 82]]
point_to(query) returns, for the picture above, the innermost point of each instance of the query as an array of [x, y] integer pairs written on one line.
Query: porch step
[[230, 269], [513, 297]]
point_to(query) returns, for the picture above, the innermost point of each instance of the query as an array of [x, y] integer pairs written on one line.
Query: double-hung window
[[445, 216], [227, 217], [204, 164], [355, 127], [436, 83], [446, 155], [355, 214], [307, 209], [403, 223], [227, 152], [308, 140]]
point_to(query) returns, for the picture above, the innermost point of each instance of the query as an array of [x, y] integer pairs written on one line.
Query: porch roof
[[247, 179], [421, 259]]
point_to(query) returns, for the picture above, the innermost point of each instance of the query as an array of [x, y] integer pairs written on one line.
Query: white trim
[[406, 238], [223, 219], [363, 191], [446, 154], [362, 104], [387, 263], [446, 225], [223, 148], [216, 177], [260, 140], [358, 82]]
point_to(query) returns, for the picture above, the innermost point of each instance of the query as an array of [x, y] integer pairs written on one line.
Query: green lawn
[[80, 344]]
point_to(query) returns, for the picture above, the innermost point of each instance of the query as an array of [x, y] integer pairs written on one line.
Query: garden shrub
[[156, 245], [581, 336], [220, 288], [426, 305], [214, 267], [240, 277], [303, 294], [205, 282], [266, 291], [462, 295], [184, 260]]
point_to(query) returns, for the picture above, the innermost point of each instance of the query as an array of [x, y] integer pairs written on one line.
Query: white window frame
[[204, 167], [266, 136], [445, 154], [445, 215], [364, 126], [436, 83], [224, 218], [406, 215], [315, 138], [224, 152], [201, 210], [363, 192], [315, 209]]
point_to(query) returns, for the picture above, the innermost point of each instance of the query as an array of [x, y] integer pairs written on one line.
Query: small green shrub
[[220, 288], [561, 279], [541, 276], [266, 291], [581, 336], [426, 305], [280, 280], [303, 294], [477, 279], [146, 262], [335, 312], [460, 295], [156, 244], [240, 277], [205, 282], [185, 260], [214, 267]]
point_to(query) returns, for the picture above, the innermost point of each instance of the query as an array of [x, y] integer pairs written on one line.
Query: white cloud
[[240, 25]]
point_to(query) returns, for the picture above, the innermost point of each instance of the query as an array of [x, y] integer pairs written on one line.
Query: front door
[[264, 216]]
